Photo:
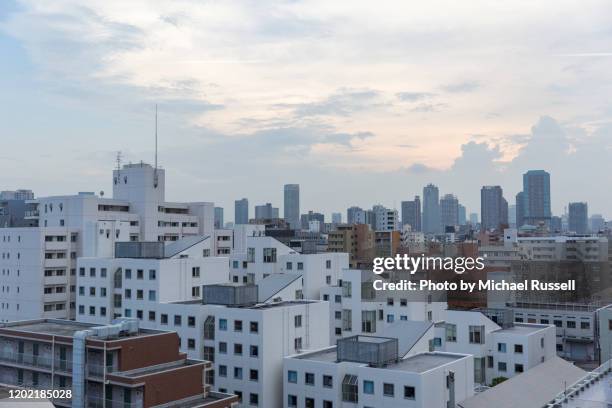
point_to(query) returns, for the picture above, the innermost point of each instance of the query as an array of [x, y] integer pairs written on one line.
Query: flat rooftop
[[519, 328], [328, 355], [252, 306], [65, 328], [157, 368], [424, 362]]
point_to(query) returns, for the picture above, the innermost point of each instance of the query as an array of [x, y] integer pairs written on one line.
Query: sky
[[359, 102]]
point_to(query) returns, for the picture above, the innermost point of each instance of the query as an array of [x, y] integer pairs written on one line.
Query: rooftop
[[421, 363], [57, 327], [157, 368], [523, 328]]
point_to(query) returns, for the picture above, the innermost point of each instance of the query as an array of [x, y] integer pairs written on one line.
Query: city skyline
[[350, 119]]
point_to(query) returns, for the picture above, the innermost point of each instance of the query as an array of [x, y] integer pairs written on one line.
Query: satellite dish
[[101, 193]]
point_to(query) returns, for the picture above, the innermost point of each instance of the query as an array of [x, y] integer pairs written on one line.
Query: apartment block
[[110, 366], [369, 371]]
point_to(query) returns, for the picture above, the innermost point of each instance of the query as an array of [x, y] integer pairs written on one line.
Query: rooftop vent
[[375, 351]]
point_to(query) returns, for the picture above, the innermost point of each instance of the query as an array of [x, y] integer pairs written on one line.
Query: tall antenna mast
[[155, 176]]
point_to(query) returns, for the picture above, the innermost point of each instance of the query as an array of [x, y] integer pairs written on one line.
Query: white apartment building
[[234, 240], [413, 240], [244, 339], [356, 308], [371, 372], [266, 256], [140, 274], [498, 351], [87, 225]]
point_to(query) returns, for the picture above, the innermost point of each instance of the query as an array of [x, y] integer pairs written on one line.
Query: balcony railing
[[30, 360]]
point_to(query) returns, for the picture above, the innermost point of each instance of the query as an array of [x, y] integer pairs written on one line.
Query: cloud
[[461, 87], [344, 102], [413, 96]]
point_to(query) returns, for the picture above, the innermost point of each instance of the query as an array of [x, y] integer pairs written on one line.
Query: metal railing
[[47, 363], [580, 385]]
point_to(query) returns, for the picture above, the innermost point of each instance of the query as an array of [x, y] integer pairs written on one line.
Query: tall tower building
[[462, 215], [431, 210], [292, 205], [411, 213], [449, 211], [241, 211], [536, 197], [520, 210], [578, 218], [493, 208], [219, 218]]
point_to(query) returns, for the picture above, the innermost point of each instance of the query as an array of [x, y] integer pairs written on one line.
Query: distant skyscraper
[[493, 208], [449, 211], [462, 215], [473, 219], [17, 195], [512, 215], [578, 218], [311, 216], [385, 219], [431, 210], [520, 210], [219, 217], [597, 222], [556, 224], [336, 218], [265, 212], [536, 197], [291, 210], [241, 211], [411, 213]]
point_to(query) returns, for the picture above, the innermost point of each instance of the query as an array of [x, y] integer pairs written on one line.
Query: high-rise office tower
[[336, 218], [266, 212], [493, 208], [520, 210], [431, 209], [291, 210], [597, 223], [411, 213], [536, 197], [462, 214], [512, 216], [241, 211], [556, 224], [219, 217], [449, 211], [473, 219], [578, 218]]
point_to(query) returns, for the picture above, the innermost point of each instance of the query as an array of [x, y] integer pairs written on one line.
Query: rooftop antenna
[[118, 160], [155, 177]]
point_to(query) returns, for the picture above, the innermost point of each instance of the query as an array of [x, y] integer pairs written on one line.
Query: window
[[152, 295], [518, 368], [103, 272], [571, 324], [328, 404], [585, 325], [300, 266], [254, 399], [390, 301], [191, 321], [238, 325], [81, 271], [254, 327], [269, 255], [328, 381], [222, 371], [477, 334], [501, 366], [103, 292], [253, 351], [139, 314], [164, 318], [238, 373], [152, 274], [297, 343], [152, 316], [195, 272], [195, 291], [328, 264], [253, 375], [222, 347], [292, 376], [297, 320], [92, 291], [349, 388], [291, 401], [409, 392], [92, 272], [368, 387], [128, 293], [223, 324], [309, 403], [238, 349], [388, 390], [451, 332], [191, 344], [558, 323], [139, 294], [518, 348], [309, 379], [81, 309], [102, 311], [501, 347], [177, 320], [289, 266], [140, 274]]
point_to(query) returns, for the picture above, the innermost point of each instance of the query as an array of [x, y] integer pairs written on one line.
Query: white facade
[[497, 351], [386, 219], [318, 379]]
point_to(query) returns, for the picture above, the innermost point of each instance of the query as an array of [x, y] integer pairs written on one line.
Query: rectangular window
[[269, 255], [292, 376], [191, 321], [254, 327], [152, 274], [163, 318], [254, 351], [451, 332], [477, 335], [140, 274], [223, 324], [501, 347], [238, 349], [409, 392], [518, 368], [368, 387], [328, 381], [501, 366], [388, 390], [177, 320], [518, 348], [571, 324], [297, 320], [253, 375], [195, 272], [222, 347], [309, 379], [238, 325]]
